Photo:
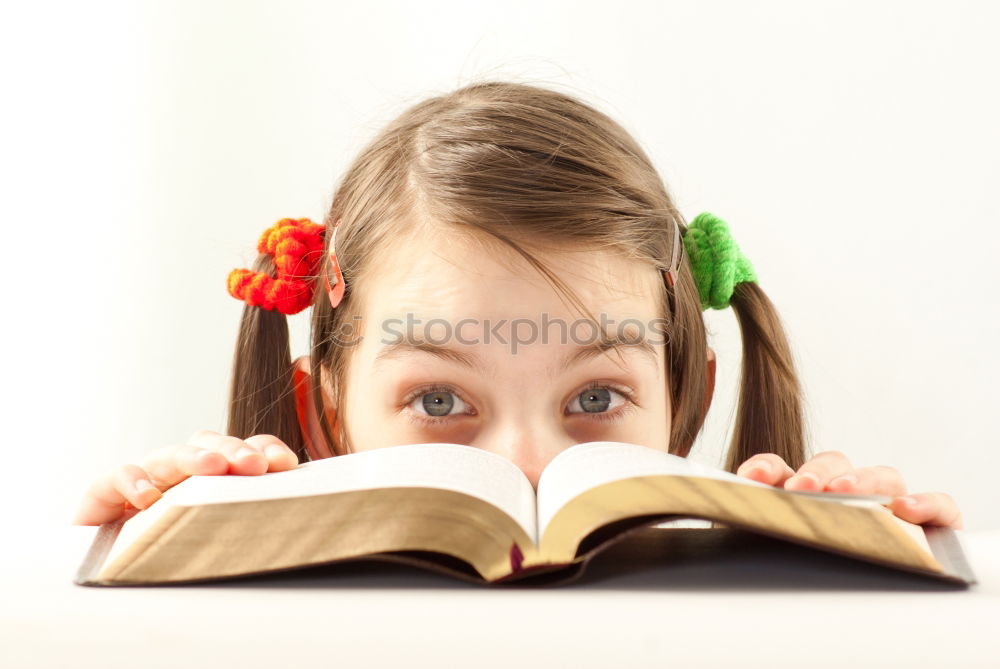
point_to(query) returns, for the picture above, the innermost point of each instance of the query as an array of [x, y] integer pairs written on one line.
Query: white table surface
[[807, 609]]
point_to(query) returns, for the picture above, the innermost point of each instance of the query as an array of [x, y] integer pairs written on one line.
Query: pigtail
[[261, 397], [769, 417]]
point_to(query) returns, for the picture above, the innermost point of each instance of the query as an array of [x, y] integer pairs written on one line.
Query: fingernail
[[908, 501], [245, 452], [142, 485], [275, 451], [760, 470], [803, 476], [848, 478]]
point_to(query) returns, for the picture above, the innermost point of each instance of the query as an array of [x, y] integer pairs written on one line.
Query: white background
[[852, 148]]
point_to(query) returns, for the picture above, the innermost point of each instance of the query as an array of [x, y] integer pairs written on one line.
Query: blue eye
[[438, 403], [596, 400]]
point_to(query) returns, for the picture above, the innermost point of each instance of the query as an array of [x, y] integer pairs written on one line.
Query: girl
[[501, 267]]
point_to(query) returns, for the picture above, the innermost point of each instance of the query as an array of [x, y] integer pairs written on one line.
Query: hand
[[830, 471], [125, 490]]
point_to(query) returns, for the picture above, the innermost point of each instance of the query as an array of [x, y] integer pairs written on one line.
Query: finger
[[870, 481], [928, 508], [818, 471], [120, 493], [279, 456], [766, 468], [170, 465], [244, 459]]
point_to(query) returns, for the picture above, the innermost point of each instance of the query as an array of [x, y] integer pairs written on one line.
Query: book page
[[466, 469], [591, 464]]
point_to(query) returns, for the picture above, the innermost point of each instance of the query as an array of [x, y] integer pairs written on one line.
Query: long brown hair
[[523, 166]]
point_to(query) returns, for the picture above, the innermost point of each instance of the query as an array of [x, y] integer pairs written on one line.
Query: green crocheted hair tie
[[716, 260]]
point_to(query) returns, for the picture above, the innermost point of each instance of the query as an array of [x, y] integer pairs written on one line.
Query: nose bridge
[[525, 425], [526, 432]]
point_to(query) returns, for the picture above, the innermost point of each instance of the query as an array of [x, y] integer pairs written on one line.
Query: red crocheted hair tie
[[297, 247]]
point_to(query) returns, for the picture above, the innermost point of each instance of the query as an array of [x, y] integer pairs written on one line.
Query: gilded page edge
[[606, 497]]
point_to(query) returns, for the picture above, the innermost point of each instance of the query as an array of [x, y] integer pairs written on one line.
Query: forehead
[[454, 274]]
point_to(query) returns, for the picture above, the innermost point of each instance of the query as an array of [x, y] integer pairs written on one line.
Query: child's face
[[490, 384]]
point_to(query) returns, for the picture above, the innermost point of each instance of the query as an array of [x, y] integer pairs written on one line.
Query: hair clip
[[333, 276], [676, 253]]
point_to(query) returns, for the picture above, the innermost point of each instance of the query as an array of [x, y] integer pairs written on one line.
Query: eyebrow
[[403, 347]]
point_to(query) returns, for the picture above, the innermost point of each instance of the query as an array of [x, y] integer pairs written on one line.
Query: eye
[[437, 402], [597, 399], [436, 406]]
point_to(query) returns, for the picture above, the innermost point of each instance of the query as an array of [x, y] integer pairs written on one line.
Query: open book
[[473, 514]]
